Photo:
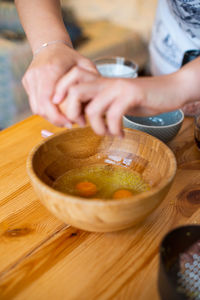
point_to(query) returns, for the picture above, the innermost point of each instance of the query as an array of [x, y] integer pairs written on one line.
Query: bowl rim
[[160, 126], [98, 201]]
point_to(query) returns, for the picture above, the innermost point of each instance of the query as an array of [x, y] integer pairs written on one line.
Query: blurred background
[[97, 28]]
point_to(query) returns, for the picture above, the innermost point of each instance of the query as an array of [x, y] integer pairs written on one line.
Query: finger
[[46, 107], [63, 109], [53, 115], [77, 96], [76, 75], [81, 121], [114, 116], [96, 110]]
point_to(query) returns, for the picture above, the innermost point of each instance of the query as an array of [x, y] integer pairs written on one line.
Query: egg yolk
[[86, 188], [122, 194]]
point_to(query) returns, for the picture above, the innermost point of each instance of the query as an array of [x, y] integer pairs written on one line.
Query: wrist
[[190, 79], [51, 44], [161, 93], [37, 39], [178, 89], [54, 53]]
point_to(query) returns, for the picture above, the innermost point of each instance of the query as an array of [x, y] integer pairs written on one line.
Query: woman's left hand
[[103, 100]]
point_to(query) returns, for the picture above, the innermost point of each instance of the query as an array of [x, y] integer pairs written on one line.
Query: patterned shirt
[[176, 30]]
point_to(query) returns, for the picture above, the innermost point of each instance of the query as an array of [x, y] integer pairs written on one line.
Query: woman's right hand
[[45, 70]]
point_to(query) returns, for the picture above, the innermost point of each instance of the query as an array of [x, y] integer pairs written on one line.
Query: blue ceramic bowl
[[164, 126]]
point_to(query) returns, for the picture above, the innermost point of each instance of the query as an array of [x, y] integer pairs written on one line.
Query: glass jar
[[116, 67]]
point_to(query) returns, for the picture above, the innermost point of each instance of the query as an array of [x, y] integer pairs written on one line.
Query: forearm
[[42, 21], [190, 75], [170, 92]]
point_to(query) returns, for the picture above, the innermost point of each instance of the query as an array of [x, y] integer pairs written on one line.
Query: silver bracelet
[[51, 43]]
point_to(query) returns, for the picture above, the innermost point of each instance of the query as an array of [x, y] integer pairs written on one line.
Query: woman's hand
[[102, 100], [66, 87], [42, 75], [105, 100]]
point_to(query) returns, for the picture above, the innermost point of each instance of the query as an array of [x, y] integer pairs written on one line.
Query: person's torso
[[176, 30]]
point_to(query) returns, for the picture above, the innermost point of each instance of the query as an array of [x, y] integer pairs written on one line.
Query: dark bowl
[[175, 243]]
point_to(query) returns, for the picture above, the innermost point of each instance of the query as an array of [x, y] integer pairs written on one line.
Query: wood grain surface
[[42, 258]]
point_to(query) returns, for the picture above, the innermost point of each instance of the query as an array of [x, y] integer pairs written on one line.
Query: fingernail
[[68, 125], [56, 99]]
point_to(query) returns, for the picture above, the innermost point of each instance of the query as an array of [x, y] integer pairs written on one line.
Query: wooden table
[[42, 258]]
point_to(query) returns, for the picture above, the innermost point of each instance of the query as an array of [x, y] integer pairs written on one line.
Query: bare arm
[[42, 22]]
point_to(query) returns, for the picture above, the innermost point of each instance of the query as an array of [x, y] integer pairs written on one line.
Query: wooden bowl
[[81, 147]]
